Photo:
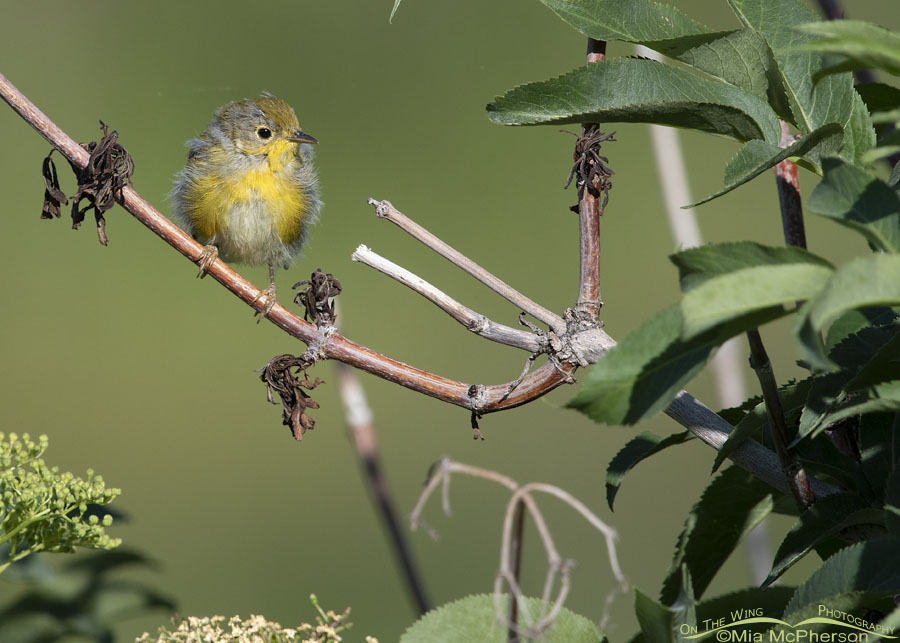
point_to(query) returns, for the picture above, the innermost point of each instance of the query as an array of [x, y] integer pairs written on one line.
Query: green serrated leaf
[[740, 293], [854, 198], [638, 448], [641, 374], [861, 283], [859, 132], [732, 504], [735, 414], [635, 90], [654, 24], [879, 442], [697, 266], [865, 45], [665, 624], [770, 600], [870, 352], [822, 458], [882, 367], [854, 321], [871, 568], [644, 372], [741, 58], [473, 619], [655, 619], [757, 156], [825, 519], [792, 397], [818, 625], [883, 398], [813, 103], [739, 279]]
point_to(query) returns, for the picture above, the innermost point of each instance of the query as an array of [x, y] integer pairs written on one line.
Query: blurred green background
[[139, 370]]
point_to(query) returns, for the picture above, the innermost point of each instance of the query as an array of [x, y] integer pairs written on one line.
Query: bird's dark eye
[[264, 133]]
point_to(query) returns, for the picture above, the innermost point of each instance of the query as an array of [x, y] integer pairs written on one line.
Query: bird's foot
[[268, 297], [207, 257]]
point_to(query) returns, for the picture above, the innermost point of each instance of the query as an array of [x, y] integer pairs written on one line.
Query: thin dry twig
[[473, 321], [790, 465], [558, 568], [384, 210]]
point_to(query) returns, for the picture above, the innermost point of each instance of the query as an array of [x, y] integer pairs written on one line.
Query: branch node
[[477, 395], [478, 325], [583, 343], [382, 208]]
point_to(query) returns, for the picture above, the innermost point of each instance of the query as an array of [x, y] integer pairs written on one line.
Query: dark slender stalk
[[515, 553], [359, 420], [788, 182], [796, 475], [398, 541]]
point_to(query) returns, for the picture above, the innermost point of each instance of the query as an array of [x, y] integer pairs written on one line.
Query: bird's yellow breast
[[269, 190]]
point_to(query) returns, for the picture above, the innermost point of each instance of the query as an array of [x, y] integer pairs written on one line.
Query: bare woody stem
[[475, 322], [795, 474], [787, 180], [589, 212], [385, 210], [750, 455]]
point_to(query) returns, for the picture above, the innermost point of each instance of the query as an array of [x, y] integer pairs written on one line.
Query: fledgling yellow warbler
[[249, 191]]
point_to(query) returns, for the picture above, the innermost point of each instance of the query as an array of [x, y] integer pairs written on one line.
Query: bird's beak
[[301, 137]]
